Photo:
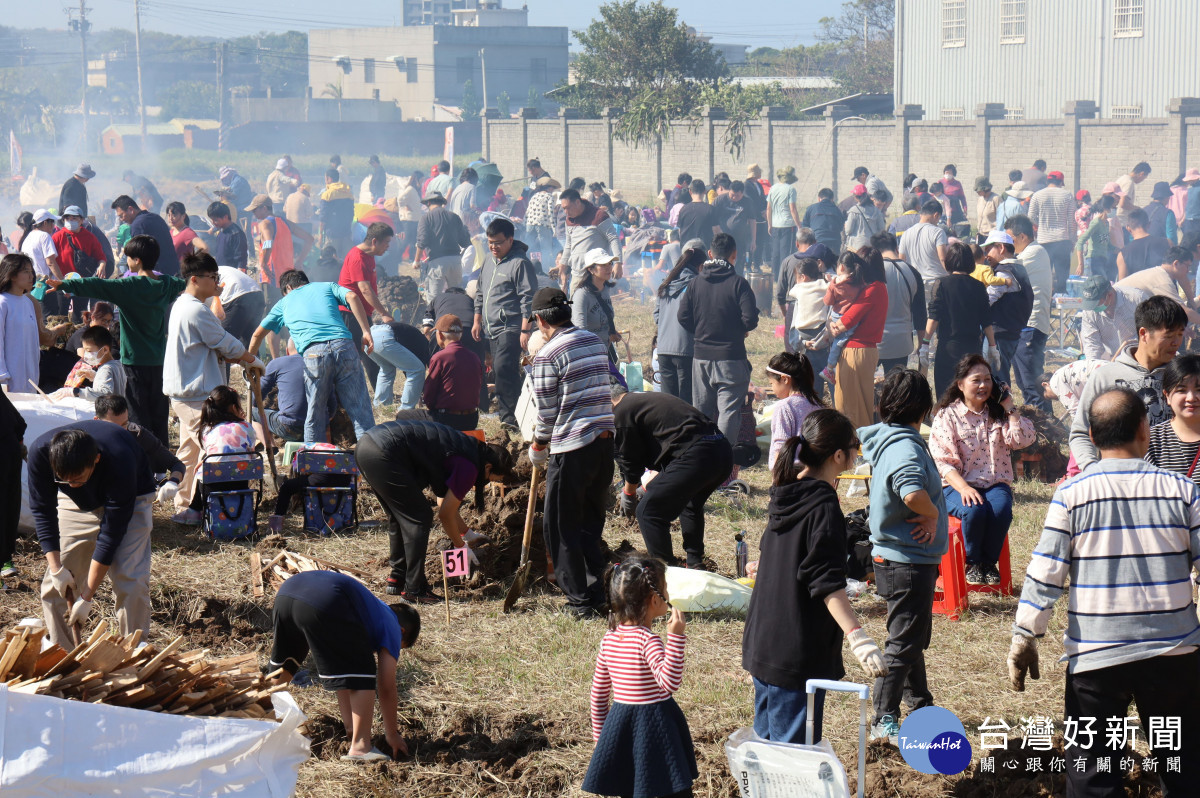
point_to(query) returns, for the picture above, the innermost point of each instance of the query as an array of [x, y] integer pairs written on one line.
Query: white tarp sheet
[[52, 748], [42, 416]]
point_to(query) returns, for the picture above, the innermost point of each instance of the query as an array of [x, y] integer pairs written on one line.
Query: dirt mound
[[402, 296], [210, 622]]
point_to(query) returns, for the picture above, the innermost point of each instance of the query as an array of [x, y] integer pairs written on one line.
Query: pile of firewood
[[286, 564], [112, 669]]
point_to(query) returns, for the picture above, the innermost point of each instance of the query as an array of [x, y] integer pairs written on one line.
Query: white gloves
[[79, 612], [923, 358], [993, 359], [167, 491], [472, 536], [1022, 657], [63, 582], [539, 457], [256, 365], [474, 558], [867, 653]]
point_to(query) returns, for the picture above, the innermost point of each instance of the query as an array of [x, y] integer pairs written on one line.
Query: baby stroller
[[332, 506], [230, 501]]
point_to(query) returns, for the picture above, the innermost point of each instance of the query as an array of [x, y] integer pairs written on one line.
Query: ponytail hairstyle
[[855, 266], [25, 221], [795, 366], [178, 208], [823, 434], [219, 408], [630, 584], [691, 257]]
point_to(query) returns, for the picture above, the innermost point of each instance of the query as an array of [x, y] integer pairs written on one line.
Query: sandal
[[374, 755]]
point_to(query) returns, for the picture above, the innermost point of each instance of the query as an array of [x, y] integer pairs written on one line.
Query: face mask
[[1101, 308], [948, 176], [91, 358], [72, 224]]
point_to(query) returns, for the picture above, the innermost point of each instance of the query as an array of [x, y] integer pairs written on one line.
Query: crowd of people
[[518, 292]]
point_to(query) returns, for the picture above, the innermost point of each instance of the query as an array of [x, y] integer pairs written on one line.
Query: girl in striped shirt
[[643, 746]]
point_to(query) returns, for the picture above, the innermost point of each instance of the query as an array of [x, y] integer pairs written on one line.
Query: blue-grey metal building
[[1130, 57]]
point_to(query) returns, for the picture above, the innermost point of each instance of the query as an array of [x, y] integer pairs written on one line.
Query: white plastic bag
[[52, 748], [766, 769], [41, 416], [701, 591]]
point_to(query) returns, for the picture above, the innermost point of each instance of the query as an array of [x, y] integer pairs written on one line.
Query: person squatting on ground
[[355, 640], [399, 460], [573, 441], [909, 535], [643, 746], [1127, 535], [662, 433], [331, 364], [91, 491], [801, 584], [974, 433]]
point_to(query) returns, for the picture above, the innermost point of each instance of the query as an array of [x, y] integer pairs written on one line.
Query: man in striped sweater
[[573, 441], [1127, 533]]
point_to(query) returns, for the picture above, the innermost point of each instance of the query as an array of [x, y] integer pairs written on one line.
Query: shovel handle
[[527, 538]]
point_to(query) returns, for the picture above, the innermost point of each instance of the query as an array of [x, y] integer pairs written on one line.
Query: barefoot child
[[643, 746], [791, 378], [348, 630], [801, 584]]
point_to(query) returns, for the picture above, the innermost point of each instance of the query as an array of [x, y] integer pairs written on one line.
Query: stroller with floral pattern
[[230, 501], [330, 488]]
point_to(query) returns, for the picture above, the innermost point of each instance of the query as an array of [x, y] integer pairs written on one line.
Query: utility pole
[[483, 70], [137, 43], [82, 26], [221, 96]]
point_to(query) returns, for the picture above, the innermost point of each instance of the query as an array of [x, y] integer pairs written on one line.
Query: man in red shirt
[[358, 275], [78, 250], [454, 380]]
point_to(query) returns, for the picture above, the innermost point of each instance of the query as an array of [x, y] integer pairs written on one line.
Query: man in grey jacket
[[588, 227], [503, 299], [1139, 367]]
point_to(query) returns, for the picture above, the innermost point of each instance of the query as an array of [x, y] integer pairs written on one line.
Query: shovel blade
[[518, 586]]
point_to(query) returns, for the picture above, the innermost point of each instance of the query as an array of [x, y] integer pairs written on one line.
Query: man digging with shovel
[[91, 491]]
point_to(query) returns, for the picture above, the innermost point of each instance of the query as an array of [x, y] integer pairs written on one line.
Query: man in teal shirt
[[331, 364]]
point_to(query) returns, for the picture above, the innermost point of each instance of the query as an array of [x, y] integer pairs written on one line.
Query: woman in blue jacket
[[909, 535]]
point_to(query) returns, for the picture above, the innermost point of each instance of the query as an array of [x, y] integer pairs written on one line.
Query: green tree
[[863, 37], [189, 99], [641, 57], [743, 106], [503, 101], [534, 100], [470, 101]]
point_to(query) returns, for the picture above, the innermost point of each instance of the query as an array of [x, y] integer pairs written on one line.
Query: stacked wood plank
[[287, 564], [112, 669]]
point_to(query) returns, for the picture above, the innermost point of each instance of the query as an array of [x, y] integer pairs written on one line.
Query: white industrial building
[[1130, 57]]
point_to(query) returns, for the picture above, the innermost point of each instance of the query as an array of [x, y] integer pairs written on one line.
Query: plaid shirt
[[571, 387], [1052, 211]]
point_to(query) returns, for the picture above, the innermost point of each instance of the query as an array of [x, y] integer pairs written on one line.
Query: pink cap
[[859, 190], [1081, 193], [1191, 175], [1114, 189]]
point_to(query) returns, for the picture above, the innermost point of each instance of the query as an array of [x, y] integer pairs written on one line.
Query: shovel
[[518, 585]]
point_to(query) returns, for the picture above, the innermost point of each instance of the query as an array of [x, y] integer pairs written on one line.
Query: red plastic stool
[[950, 594], [1005, 566]]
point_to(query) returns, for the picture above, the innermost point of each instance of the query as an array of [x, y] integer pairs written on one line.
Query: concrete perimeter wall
[[825, 151]]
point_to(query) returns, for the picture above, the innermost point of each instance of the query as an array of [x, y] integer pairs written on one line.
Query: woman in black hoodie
[[801, 584]]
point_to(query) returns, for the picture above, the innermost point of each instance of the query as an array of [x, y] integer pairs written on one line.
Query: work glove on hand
[[167, 491], [629, 503], [63, 583], [867, 653], [993, 359], [923, 357], [473, 557], [255, 365], [471, 536], [539, 456], [1022, 657], [80, 611]]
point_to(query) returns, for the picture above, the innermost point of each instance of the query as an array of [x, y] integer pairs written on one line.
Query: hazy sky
[[774, 23]]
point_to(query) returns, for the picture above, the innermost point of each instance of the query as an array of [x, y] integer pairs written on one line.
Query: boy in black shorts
[[346, 627]]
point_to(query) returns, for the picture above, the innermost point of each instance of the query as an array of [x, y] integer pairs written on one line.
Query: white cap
[[998, 237], [597, 256], [43, 215], [281, 163]]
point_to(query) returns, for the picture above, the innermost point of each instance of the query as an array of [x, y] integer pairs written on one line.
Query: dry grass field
[[497, 705]]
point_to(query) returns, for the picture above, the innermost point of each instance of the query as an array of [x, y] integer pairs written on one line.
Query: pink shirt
[[977, 446]]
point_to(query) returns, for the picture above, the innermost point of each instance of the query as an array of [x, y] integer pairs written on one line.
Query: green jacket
[[144, 303]]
